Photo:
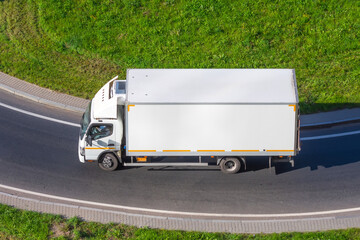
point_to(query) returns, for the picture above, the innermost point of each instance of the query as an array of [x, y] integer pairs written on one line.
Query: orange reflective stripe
[[211, 150], [130, 106], [294, 106], [142, 150], [245, 150], [176, 151]]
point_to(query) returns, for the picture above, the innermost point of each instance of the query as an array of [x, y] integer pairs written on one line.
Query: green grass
[[24, 224], [76, 46], [20, 224]]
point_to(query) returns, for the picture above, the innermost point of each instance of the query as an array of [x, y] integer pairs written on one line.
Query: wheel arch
[[101, 156]]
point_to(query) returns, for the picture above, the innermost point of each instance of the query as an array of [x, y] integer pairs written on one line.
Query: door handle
[[111, 144]]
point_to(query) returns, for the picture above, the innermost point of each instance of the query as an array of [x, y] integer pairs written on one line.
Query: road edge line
[[177, 223], [195, 214]]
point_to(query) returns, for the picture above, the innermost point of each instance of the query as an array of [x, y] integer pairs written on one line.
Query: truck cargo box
[[211, 112]]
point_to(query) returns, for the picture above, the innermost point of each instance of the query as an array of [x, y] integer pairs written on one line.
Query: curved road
[[41, 156]]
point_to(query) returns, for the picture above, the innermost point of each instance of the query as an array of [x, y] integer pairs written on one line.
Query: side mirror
[[89, 140]]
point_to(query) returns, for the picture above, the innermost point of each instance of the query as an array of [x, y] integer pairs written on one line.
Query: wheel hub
[[107, 162], [230, 165]]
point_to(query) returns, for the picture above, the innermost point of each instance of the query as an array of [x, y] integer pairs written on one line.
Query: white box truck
[[228, 114]]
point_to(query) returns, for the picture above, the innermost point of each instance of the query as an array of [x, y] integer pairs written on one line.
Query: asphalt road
[[41, 156]]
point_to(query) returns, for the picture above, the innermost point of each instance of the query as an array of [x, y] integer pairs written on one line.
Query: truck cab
[[101, 126]]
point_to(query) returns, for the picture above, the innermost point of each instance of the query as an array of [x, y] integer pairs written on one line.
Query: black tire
[[230, 165], [108, 162]]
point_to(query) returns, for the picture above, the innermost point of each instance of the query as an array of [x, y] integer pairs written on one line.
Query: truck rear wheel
[[108, 162], [230, 165]]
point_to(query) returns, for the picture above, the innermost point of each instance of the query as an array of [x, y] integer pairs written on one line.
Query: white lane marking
[[178, 212], [77, 125], [39, 116], [330, 136]]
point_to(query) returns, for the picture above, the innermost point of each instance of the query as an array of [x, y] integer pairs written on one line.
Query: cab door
[[100, 138]]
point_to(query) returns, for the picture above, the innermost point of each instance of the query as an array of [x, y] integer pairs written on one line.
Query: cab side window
[[100, 131]]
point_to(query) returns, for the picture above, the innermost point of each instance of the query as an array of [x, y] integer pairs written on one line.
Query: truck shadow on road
[[325, 153]]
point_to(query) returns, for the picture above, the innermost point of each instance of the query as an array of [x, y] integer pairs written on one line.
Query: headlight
[[82, 151]]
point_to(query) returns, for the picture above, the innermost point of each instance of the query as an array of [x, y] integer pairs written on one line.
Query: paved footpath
[[144, 217], [42, 95]]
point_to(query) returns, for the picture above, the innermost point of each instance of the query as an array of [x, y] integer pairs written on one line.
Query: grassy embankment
[[17, 224], [76, 46]]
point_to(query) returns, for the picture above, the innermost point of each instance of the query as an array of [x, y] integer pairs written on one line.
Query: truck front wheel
[[108, 162], [230, 165]]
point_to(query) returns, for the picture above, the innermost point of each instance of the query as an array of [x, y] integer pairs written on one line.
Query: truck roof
[[211, 86]]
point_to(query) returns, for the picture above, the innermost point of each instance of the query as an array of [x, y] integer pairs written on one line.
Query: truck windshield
[[85, 121]]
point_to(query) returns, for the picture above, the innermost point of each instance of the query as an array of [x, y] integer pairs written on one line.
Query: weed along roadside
[[75, 48]]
